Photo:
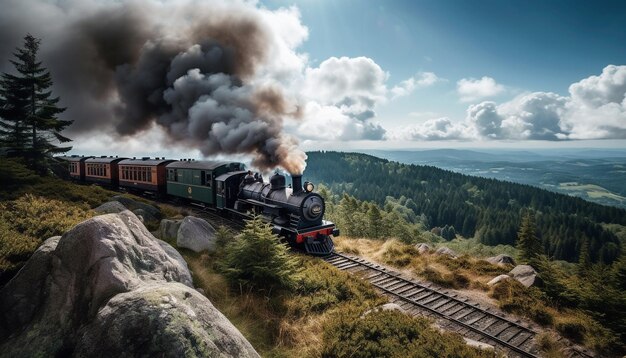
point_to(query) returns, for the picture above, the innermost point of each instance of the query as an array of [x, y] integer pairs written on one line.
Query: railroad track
[[450, 310]]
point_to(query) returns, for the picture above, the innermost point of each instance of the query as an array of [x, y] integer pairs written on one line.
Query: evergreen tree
[[28, 107], [257, 259], [584, 261], [374, 221], [527, 241]]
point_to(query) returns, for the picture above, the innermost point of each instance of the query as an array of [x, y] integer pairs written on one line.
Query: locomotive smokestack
[[296, 183]]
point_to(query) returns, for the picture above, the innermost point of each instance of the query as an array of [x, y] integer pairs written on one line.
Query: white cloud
[[471, 89], [436, 129], [342, 94], [421, 80], [594, 109], [323, 122]]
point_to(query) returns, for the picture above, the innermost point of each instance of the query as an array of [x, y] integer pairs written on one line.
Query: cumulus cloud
[[472, 89], [594, 109], [342, 96], [421, 80], [437, 129], [331, 123]]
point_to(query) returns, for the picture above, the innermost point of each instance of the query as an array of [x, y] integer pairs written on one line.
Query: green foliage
[[322, 287], [26, 222], [29, 126], [486, 209], [258, 260], [527, 241], [358, 218], [390, 334]]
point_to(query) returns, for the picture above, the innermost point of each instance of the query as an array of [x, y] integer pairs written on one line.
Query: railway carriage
[[195, 180], [144, 174], [76, 166], [103, 170]]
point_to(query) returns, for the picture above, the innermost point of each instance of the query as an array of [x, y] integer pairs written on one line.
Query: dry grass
[[459, 273]]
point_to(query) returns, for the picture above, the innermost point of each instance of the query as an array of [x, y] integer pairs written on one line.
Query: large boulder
[[110, 207], [168, 229], [526, 275], [446, 251], [95, 283], [501, 259], [196, 234], [422, 248], [149, 211], [164, 320]]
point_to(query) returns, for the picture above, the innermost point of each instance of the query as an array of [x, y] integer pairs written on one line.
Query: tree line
[[29, 124], [487, 209]]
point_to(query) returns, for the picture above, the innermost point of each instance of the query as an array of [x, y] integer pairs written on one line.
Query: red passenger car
[[76, 166], [144, 174], [103, 170]]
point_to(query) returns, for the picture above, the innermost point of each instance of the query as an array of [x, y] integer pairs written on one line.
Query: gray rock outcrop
[[167, 319], [107, 287], [168, 229], [526, 275], [196, 234], [150, 211], [498, 279], [501, 259], [110, 207], [446, 251], [423, 248]]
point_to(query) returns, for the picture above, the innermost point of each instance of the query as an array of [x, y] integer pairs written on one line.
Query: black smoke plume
[[186, 66]]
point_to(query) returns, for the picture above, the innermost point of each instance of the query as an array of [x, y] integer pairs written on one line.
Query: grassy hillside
[[487, 209]]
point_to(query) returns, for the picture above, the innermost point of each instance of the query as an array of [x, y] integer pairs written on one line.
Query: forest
[[487, 209]]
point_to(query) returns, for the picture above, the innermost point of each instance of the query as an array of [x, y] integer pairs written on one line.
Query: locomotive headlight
[[308, 187]]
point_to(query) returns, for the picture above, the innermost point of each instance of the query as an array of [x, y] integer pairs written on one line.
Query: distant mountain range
[[597, 175]]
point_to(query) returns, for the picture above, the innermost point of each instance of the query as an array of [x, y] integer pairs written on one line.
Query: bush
[[389, 334], [513, 297], [26, 222], [398, 254], [571, 328], [257, 259], [322, 286]]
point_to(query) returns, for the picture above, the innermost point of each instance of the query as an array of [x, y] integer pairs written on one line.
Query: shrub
[[26, 222], [513, 297], [257, 259], [322, 286], [389, 334], [572, 328], [398, 254]]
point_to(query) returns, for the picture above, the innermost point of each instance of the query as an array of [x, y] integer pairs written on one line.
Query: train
[[295, 212]]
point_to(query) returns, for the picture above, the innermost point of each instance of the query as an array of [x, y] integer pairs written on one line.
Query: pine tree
[[527, 240], [257, 259], [584, 260], [374, 221], [28, 105]]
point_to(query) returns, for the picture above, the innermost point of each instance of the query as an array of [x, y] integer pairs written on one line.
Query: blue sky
[[525, 46]]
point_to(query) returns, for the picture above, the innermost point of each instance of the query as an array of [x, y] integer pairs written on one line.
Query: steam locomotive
[[296, 213]]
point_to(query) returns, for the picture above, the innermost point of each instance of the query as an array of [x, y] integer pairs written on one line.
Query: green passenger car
[[195, 180]]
